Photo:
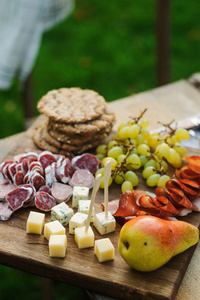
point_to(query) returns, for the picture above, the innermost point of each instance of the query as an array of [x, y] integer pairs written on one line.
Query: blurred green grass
[[107, 46]]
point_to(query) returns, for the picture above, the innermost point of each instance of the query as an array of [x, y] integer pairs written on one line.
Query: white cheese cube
[[57, 245], [78, 220], [79, 192], [83, 207], [35, 222], [104, 250], [84, 239], [53, 228], [104, 225], [62, 212]]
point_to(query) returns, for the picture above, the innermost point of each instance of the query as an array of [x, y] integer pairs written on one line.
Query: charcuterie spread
[[78, 120]]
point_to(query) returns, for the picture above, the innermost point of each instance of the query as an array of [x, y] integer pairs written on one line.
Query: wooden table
[[177, 101]]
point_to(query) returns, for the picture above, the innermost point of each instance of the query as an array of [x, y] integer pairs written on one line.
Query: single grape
[[124, 132], [134, 161], [110, 180], [153, 180], [101, 149], [145, 133], [134, 151], [172, 156], [143, 149], [133, 131], [182, 134], [126, 186], [162, 165], [144, 123], [151, 162], [100, 156], [132, 177], [120, 158], [148, 172], [162, 150], [111, 144], [143, 159], [139, 139], [122, 125], [178, 163], [113, 162], [119, 178], [115, 152], [180, 149], [99, 171], [172, 140], [162, 181], [154, 140]]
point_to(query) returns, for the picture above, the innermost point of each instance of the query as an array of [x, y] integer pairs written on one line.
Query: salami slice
[[86, 161], [31, 200], [20, 157], [17, 197], [44, 201], [82, 177], [46, 189], [37, 180], [61, 192], [66, 170], [46, 158], [5, 211], [6, 173], [12, 170], [18, 178], [6, 188]]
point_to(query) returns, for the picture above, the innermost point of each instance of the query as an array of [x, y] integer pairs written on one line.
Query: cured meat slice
[[5, 211], [18, 178], [19, 167], [19, 158], [44, 201], [31, 200], [17, 197], [189, 187], [2, 165], [66, 170], [127, 205], [46, 189], [25, 165], [112, 206], [50, 175], [6, 173], [61, 192], [12, 170], [6, 188], [37, 180], [86, 161], [82, 177], [46, 158]]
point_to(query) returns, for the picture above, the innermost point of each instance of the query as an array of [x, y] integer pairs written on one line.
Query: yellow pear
[[146, 243]]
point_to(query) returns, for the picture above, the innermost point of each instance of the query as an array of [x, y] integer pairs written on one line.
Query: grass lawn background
[[107, 46]]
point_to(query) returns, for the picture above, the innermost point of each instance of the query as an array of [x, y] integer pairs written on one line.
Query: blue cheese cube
[[62, 212], [104, 225], [84, 206], [79, 193], [78, 220]]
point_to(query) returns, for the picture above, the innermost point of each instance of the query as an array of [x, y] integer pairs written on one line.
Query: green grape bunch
[[134, 147]]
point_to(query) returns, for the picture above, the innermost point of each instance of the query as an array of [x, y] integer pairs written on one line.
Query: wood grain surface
[[80, 267]]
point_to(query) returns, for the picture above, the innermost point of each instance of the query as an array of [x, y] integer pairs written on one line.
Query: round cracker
[[71, 105]]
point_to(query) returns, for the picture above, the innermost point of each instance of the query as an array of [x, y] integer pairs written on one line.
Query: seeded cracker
[[71, 105]]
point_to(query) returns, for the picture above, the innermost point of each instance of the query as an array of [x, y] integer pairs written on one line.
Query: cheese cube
[[104, 225], [78, 220], [53, 228], [104, 250], [79, 192], [84, 239], [57, 245], [62, 212], [35, 222], [83, 207]]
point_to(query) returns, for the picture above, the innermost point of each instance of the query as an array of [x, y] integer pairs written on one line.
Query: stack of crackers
[[77, 120]]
